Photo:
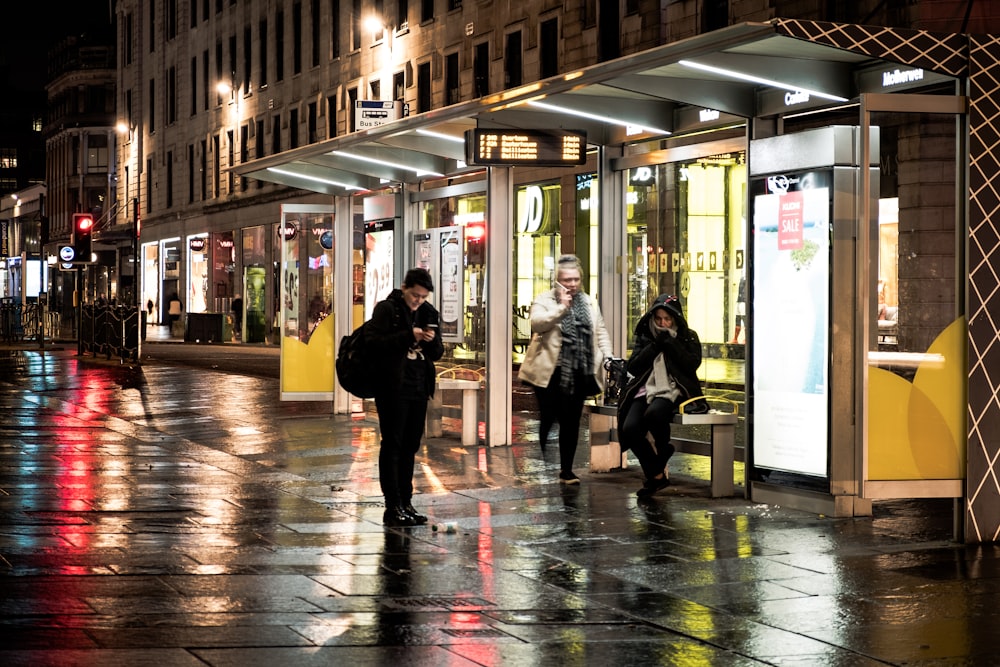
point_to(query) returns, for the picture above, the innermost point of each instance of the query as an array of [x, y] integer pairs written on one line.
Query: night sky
[[31, 27]]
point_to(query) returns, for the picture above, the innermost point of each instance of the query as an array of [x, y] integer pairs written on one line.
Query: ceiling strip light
[[371, 160], [597, 117], [442, 136], [757, 79], [317, 179]]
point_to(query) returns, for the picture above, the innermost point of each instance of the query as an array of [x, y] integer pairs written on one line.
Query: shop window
[[686, 230]]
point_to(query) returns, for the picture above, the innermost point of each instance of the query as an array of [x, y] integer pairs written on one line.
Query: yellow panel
[[308, 367], [917, 431]]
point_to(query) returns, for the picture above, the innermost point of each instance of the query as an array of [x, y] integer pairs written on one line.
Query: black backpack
[[353, 370]]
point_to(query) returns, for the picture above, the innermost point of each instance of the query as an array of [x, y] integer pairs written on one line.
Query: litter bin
[[203, 328]]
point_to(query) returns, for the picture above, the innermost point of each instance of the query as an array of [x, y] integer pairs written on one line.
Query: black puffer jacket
[[390, 334], [682, 356]]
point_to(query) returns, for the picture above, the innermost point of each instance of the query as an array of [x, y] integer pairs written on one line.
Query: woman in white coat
[[565, 358]]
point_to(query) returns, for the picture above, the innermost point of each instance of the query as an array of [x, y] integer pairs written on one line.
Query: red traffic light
[[83, 222]]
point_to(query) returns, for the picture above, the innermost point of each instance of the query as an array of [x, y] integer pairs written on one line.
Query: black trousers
[[654, 418], [556, 406], [401, 423]]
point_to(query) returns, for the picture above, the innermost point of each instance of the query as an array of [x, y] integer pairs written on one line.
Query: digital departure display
[[513, 148]]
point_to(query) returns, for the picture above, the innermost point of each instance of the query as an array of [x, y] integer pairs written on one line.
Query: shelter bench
[[468, 412], [606, 454]]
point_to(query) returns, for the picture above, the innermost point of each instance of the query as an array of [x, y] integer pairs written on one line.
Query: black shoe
[[420, 519], [652, 486], [396, 516], [567, 477]]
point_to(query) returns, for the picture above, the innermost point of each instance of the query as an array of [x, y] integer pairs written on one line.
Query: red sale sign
[[790, 221]]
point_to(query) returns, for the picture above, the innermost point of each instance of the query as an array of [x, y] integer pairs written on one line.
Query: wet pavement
[[164, 515]]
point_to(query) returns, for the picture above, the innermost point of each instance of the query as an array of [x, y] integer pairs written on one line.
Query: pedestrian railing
[[110, 331]]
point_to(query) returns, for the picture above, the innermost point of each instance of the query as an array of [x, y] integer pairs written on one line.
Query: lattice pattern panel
[[939, 52], [983, 491]]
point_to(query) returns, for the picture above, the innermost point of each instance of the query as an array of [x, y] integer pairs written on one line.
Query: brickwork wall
[[927, 237]]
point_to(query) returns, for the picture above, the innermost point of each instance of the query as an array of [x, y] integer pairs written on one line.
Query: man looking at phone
[[403, 336]]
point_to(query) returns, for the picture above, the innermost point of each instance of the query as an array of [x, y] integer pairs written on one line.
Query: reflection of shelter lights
[[906, 360]]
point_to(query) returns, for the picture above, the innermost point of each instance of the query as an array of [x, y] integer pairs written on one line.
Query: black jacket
[[390, 335], [681, 355]]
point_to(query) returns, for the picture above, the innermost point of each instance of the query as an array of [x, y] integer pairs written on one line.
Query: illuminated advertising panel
[[791, 322]]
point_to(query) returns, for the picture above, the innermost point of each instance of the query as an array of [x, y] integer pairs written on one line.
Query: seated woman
[[661, 371]]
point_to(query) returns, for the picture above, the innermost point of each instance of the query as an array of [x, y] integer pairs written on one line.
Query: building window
[[279, 45], [170, 179], [512, 60], [262, 54], [548, 42], [232, 63], [149, 185], [127, 40], [315, 20], [152, 105], [204, 75], [204, 162], [715, 15], [311, 124], [423, 87], [194, 85], [331, 116], [376, 88], [8, 158], [247, 58], [194, 13], [398, 85], [402, 14], [426, 10], [36, 124], [218, 71], [97, 153], [293, 129], [609, 31], [454, 4], [297, 38], [481, 69], [259, 146], [276, 135], [352, 99], [244, 152], [355, 25], [230, 161], [334, 28], [171, 19], [451, 85], [190, 162], [171, 95], [152, 26]]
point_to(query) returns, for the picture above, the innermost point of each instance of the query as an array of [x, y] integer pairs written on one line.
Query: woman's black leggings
[[654, 418], [555, 406]]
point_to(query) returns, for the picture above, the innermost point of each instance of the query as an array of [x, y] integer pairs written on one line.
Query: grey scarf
[[576, 356]]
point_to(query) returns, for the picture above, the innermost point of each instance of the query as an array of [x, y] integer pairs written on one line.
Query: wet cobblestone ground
[[168, 516]]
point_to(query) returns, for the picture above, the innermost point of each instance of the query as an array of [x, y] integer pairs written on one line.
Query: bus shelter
[[870, 253]]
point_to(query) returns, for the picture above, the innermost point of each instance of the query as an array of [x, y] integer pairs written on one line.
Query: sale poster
[[791, 279]]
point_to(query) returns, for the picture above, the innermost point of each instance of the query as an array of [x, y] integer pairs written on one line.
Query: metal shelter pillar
[[612, 281], [499, 296], [343, 297]]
